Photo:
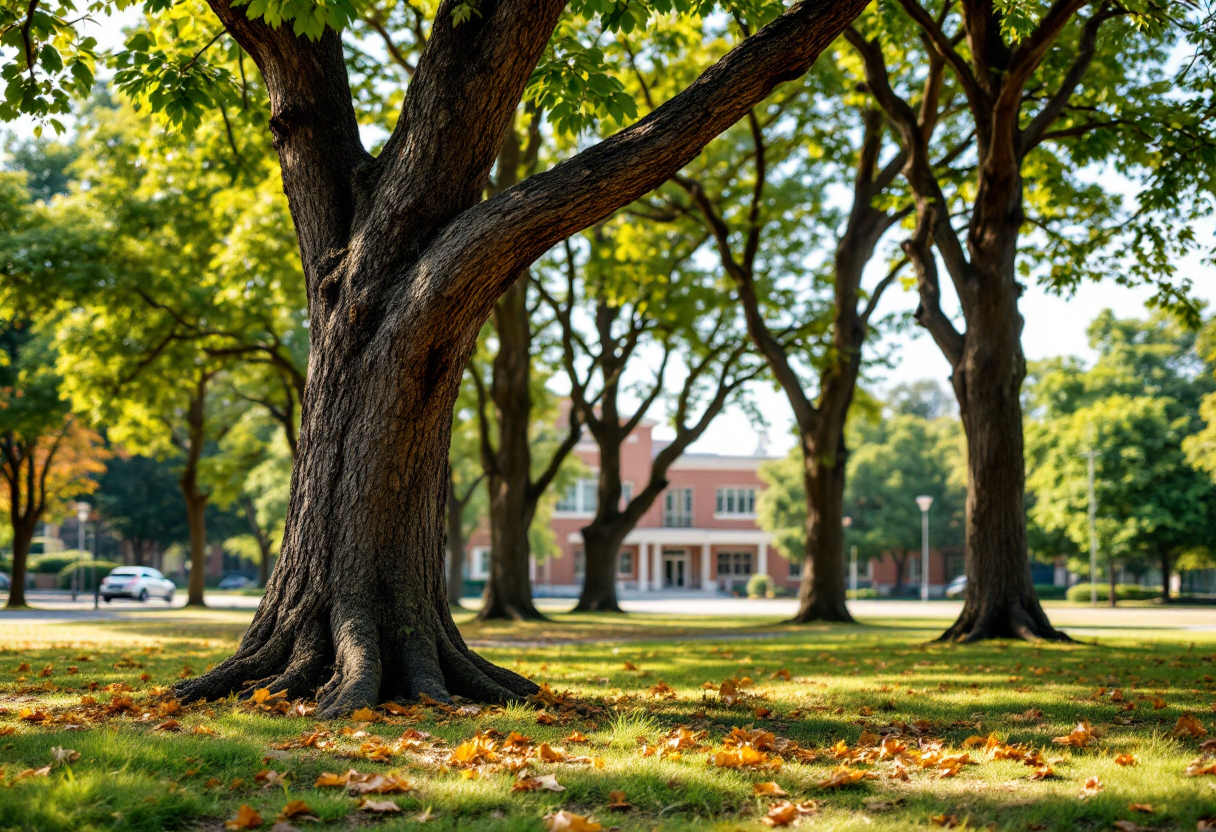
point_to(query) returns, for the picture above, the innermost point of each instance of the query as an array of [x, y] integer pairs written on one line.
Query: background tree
[[1045, 89], [897, 455], [761, 193], [139, 498], [636, 295], [47, 454], [466, 497], [1135, 409]]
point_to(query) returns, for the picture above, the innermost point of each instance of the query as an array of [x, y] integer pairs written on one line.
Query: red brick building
[[701, 535]]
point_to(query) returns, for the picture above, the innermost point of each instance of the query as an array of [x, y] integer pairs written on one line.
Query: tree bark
[[508, 592], [1000, 600], [1113, 600], [601, 550], [987, 362], [404, 264], [901, 566], [1165, 577], [23, 536], [821, 595], [195, 497]]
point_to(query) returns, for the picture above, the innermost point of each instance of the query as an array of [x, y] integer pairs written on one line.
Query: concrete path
[[1078, 620]]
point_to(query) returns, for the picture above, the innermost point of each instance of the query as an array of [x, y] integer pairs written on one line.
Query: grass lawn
[[898, 712]]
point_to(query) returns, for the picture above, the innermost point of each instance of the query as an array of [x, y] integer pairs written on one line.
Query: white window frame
[[735, 560], [621, 557], [580, 564], [690, 508], [626, 494], [479, 563], [727, 493], [586, 494]]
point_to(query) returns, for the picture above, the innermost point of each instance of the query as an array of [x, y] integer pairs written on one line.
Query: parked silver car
[[138, 582]]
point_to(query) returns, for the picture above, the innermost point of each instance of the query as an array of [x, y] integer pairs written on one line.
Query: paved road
[[1079, 620]]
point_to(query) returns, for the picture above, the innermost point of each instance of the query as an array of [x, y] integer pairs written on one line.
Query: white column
[[643, 566], [708, 584], [762, 566], [656, 579]]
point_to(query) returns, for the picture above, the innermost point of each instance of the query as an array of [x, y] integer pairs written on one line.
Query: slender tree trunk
[[508, 592], [263, 539], [601, 546], [196, 519], [1114, 584], [23, 536], [356, 612], [1165, 577], [821, 597], [901, 564], [455, 546], [1000, 601]]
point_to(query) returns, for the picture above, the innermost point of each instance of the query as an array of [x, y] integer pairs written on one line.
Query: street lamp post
[[82, 515], [924, 502]]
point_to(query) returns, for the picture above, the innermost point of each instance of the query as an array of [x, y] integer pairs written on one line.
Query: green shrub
[[867, 594], [1079, 594], [51, 564], [760, 586], [88, 572], [1050, 592]]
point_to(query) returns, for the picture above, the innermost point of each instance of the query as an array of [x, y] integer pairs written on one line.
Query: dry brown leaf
[[618, 804], [563, 821], [297, 809], [1125, 759], [541, 782], [1092, 786], [1132, 826], [846, 776], [1200, 767], [781, 814], [1043, 772], [365, 715], [170, 725], [769, 788], [379, 806], [576, 737], [1144, 808], [945, 821], [246, 818], [1079, 737], [1188, 726], [33, 772]]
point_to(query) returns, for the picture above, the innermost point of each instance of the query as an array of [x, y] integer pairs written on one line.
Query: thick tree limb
[[1036, 131], [527, 219]]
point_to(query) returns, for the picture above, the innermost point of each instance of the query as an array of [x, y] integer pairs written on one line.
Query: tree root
[[818, 609], [1018, 618], [353, 665]]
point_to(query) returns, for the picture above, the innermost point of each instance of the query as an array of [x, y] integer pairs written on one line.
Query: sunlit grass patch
[[813, 688]]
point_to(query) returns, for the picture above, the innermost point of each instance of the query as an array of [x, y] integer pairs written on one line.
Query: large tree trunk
[[508, 592], [23, 536], [821, 597], [601, 545], [1000, 600], [196, 519], [356, 612]]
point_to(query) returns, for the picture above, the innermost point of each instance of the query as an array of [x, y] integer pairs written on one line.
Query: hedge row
[[1123, 592]]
